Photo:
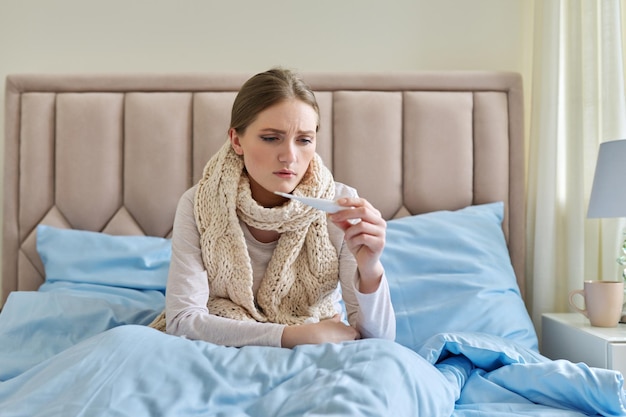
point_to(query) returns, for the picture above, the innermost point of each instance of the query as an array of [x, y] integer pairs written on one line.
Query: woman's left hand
[[365, 239]]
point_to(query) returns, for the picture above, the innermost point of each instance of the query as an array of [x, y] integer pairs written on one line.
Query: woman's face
[[277, 148]]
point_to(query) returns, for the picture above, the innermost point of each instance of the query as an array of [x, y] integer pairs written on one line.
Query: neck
[[264, 197], [264, 236]]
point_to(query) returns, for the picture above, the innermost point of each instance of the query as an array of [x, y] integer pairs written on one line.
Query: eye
[[305, 140], [269, 138]]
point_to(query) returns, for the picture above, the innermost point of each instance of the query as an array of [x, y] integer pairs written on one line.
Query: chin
[[285, 189]]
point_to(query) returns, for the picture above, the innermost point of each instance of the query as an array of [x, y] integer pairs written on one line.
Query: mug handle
[[572, 294]]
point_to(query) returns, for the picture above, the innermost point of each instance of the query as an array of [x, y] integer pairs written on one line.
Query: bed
[[94, 165]]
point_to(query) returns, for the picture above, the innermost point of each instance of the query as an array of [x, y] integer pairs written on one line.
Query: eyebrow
[[282, 132]]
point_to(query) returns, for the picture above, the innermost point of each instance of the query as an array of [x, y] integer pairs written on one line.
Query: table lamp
[[606, 200], [607, 196]]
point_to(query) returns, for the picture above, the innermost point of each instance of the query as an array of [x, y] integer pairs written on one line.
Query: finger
[[351, 216], [351, 202], [354, 334], [344, 224], [365, 229], [359, 209], [374, 245]]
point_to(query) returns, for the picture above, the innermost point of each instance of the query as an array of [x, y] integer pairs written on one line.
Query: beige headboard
[[113, 153]]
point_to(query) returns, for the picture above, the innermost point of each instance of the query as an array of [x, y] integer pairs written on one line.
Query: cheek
[[309, 155], [253, 161]]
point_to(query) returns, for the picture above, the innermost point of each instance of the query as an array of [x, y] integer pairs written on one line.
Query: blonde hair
[[264, 90]]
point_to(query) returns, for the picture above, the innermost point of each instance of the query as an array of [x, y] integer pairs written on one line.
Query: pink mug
[[603, 302]]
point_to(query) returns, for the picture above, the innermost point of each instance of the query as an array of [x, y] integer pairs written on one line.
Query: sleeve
[[187, 293], [371, 314]]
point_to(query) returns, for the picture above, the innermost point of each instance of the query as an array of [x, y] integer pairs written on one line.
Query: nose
[[287, 152]]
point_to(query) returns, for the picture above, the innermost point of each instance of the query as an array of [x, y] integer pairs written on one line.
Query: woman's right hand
[[331, 330]]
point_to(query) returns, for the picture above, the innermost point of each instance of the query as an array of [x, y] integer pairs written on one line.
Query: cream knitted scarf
[[304, 268]]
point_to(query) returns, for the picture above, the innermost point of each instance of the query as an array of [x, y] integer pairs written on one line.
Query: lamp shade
[[608, 195]]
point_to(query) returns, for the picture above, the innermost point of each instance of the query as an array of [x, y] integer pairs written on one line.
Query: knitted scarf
[[304, 268]]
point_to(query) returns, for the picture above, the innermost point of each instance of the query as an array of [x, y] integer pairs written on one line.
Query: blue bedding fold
[[77, 352], [36, 325], [137, 371], [496, 370]]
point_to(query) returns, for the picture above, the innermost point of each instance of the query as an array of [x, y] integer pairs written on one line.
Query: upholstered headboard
[[113, 153]]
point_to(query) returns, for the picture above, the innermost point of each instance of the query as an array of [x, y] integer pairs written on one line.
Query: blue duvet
[[84, 350]]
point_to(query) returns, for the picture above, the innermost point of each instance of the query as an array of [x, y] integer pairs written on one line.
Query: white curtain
[[577, 103]]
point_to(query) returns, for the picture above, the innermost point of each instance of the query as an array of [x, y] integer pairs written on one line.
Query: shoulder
[[186, 201], [343, 190], [189, 195]]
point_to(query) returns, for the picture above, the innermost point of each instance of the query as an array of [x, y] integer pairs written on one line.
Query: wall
[[64, 36]]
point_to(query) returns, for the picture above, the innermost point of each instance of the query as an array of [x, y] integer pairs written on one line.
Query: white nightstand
[[570, 336]]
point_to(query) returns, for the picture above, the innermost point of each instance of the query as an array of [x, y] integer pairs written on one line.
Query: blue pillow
[[140, 262], [450, 271]]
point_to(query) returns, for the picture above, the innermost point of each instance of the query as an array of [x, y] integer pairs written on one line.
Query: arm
[[364, 284], [188, 292], [370, 312], [331, 330]]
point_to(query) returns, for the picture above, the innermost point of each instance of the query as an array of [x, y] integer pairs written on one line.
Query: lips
[[285, 173]]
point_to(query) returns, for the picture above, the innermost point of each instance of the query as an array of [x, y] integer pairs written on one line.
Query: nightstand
[[570, 336]]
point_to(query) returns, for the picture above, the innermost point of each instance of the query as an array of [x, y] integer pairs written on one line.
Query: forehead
[[291, 112]]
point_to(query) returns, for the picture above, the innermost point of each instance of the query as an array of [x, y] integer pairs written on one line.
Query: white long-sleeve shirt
[[188, 288]]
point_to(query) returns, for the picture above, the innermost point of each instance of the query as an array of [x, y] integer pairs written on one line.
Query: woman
[[250, 267]]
